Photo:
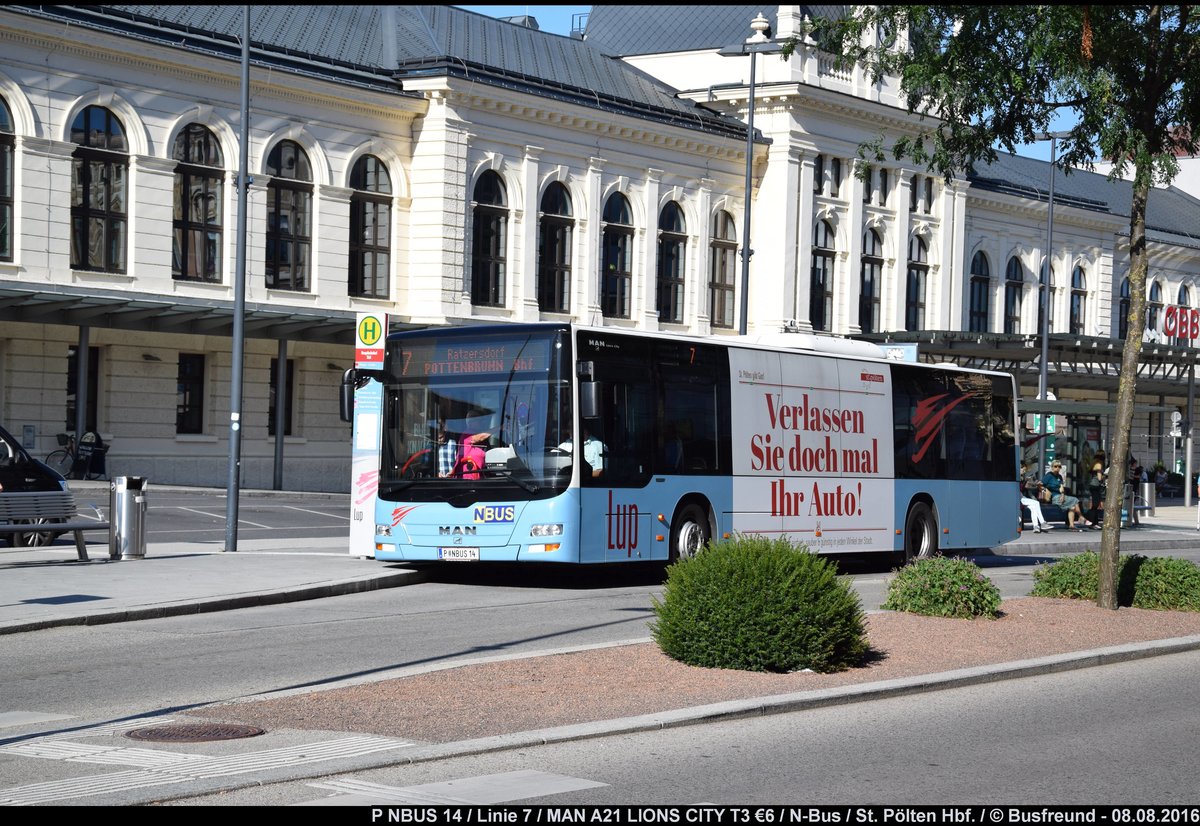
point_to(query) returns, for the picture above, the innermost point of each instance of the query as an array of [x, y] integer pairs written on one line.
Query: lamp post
[[1044, 302], [757, 42]]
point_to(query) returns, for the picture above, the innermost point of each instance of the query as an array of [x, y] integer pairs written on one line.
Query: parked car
[[20, 472]]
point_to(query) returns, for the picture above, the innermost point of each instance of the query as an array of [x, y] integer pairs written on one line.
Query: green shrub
[[943, 587], [1156, 583], [759, 605]]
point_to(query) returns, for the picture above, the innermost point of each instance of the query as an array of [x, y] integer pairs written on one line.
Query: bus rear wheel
[[920, 533], [690, 532]]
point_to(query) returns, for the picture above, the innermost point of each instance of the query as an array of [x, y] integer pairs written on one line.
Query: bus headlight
[[383, 530], [546, 530]]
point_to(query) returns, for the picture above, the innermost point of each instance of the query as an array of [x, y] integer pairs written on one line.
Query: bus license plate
[[458, 554]]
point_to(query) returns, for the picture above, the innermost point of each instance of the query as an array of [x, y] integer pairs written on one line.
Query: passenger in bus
[[1058, 496], [447, 452], [473, 455], [593, 450]]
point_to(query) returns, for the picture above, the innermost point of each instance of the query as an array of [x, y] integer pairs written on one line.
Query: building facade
[[447, 168]]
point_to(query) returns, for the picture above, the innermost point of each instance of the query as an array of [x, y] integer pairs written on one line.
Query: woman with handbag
[[1054, 481], [1031, 488]]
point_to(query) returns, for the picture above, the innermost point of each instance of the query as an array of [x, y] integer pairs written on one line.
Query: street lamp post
[[1044, 303], [757, 42]]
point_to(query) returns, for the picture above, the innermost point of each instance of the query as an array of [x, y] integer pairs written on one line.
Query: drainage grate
[[193, 732]]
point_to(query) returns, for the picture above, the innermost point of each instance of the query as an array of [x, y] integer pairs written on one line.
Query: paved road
[[1120, 734]]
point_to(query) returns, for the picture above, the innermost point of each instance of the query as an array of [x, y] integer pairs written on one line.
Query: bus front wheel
[[920, 533], [690, 532]]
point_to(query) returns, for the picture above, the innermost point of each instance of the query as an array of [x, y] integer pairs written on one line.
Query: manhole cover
[[193, 732]]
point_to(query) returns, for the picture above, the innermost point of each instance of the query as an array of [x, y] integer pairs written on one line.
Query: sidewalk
[[47, 587], [43, 588]]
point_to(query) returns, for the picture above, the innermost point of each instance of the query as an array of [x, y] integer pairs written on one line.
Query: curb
[[372, 582]]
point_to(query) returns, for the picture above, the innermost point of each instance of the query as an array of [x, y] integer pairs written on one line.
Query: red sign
[[1181, 322]]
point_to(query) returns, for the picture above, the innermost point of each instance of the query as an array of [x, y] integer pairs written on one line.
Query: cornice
[[529, 108]]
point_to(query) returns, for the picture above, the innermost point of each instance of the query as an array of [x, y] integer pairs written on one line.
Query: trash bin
[[127, 517], [1148, 497]]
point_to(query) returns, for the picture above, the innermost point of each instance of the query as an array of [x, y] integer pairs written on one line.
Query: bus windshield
[[476, 415]]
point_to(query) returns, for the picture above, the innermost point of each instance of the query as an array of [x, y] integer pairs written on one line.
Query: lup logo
[[622, 526]]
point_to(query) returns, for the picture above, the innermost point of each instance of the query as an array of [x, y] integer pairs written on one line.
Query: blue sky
[[553, 19], [557, 20]]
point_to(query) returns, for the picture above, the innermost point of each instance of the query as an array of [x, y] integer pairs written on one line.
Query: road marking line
[[318, 513], [484, 790], [171, 767], [9, 719]]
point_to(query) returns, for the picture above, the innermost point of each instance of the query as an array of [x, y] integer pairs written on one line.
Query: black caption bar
[[779, 815]]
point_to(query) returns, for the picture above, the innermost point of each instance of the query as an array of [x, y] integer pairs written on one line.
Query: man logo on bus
[[929, 418], [369, 331]]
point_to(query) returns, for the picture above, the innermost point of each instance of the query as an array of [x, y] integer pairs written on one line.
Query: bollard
[[127, 517]]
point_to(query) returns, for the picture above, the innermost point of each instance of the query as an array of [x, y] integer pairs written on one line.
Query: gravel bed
[[602, 684]]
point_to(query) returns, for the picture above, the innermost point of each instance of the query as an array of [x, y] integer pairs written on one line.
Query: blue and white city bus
[[683, 439]]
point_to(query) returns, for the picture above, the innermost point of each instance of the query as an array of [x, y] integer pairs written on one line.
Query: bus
[[564, 443]]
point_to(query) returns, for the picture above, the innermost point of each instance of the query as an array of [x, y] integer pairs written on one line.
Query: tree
[[988, 76]]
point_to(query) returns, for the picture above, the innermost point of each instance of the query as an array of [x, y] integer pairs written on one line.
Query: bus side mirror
[[589, 400], [352, 379]]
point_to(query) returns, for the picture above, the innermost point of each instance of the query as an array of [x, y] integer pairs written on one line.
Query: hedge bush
[[1157, 583], [756, 604], [943, 587]]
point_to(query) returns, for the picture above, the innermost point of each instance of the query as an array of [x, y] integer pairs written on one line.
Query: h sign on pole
[[370, 339]]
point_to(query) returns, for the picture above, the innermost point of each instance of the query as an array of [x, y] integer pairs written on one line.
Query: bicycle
[[82, 461]]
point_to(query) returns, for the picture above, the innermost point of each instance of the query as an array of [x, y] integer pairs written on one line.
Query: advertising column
[[370, 335]]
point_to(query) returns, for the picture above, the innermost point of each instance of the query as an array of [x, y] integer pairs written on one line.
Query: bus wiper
[[529, 486], [395, 486]]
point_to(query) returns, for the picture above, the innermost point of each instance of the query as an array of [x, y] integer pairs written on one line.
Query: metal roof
[[1089, 363], [91, 307], [379, 46], [636, 30], [1168, 209]]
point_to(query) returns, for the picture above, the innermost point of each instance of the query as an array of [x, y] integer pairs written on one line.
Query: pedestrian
[[1054, 481], [1097, 489], [1031, 488]]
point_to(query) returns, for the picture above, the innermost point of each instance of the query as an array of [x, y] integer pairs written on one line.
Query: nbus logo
[[489, 514]]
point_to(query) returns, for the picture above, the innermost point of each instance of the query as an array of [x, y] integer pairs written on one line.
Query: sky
[[557, 20]]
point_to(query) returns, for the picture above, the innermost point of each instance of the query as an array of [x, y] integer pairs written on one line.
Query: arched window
[[489, 245], [370, 228], [915, 286], [289, 218], [199, 205], [672, 242], [1014, 291], [981, 292], [1078, 301], [1154, 305], [7, 197], [1184, 300], [871, 282], [99, 183], [554, 250], [722, 270], [1123, 310], [820, 297], [1049, 297], [617, 276]]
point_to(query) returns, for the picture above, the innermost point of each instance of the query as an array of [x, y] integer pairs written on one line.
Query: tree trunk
[[1110, 541]]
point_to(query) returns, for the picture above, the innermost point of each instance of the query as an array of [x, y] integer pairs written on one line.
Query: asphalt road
[[1118, 734]]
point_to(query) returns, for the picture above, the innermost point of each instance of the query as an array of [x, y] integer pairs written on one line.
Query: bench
[[51, 511]]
